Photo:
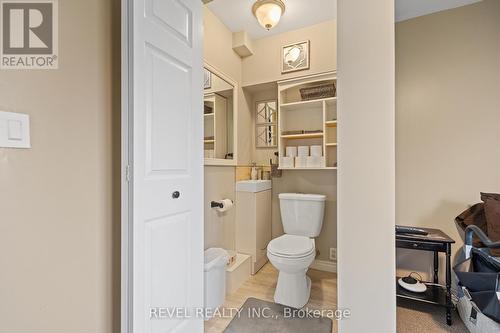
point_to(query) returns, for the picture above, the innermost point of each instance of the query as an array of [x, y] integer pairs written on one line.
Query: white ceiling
[[237, 14], [406, 9]]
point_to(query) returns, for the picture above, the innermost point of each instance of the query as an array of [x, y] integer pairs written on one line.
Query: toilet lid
[[291, 246]]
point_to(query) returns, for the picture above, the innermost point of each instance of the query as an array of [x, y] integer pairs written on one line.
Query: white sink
[[253, 185]]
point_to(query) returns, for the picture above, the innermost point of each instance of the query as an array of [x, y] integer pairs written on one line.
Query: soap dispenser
[[253, 174]]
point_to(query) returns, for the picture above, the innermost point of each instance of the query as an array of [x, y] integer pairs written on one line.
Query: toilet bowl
[[292, 261], [293, 252]]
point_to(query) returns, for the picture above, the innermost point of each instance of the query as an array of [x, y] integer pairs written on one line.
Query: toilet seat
[[291, 246]]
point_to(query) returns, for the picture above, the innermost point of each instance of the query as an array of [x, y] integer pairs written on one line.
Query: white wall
[[366, 179]]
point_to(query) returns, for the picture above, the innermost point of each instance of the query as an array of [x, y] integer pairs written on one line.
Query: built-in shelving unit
[[318, 116]]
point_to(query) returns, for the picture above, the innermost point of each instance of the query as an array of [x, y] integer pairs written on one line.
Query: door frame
[[126, 186], [126, 155]]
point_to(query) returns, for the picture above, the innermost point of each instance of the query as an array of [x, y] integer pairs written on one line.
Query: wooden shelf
[[435, 294], [301, 105], [208, 141], [313, 103], [320, 168], [331, 123], [209, 114], [303, 136], [332, 144]]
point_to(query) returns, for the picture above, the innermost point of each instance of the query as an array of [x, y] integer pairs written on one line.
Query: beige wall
[[264, 67], [309, 181], [448, 116], [219, 180], [265, 64], [366, 176], [219, 227], [59, 200], [317, 182], [218, 52]]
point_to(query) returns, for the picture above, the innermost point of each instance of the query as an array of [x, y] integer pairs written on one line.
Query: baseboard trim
[[324, 265]]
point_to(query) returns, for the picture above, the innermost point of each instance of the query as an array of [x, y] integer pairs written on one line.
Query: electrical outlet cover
[[333, 253]]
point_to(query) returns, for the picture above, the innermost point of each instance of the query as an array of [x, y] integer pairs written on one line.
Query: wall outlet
[[333, 254]]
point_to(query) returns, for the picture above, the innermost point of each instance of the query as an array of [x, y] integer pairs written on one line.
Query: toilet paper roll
[[301, 161], [303, 151], [227, 204], [291, 151], [286, 162], [317, 151], [315, 162]]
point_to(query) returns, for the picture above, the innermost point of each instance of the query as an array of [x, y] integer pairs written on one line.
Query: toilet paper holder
[[217, 204]]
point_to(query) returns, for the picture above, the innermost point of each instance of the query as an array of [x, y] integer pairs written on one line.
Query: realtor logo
[[28, 34]]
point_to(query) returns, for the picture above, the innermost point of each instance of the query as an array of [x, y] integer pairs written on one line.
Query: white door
[[166, 159]]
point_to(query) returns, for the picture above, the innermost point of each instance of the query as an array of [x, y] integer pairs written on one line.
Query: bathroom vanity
[[253, 220]]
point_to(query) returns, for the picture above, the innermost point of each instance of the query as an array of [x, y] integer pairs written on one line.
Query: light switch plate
[[14, 130]]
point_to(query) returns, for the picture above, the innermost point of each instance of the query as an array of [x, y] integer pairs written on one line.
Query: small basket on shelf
[[317, 92]]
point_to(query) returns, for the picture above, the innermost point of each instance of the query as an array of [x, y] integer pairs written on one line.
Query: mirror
[[266, 136], [265, 124], [266, 112], [218, 113]]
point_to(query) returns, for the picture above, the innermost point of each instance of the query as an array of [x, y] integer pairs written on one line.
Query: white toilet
[[293, 253]]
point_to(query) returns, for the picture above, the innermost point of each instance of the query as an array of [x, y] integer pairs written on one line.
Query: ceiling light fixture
[[268, 12]]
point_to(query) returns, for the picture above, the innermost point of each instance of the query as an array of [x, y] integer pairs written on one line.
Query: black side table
[[436, 241]]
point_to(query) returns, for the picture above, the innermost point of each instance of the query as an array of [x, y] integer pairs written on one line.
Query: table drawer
[[420, 245]]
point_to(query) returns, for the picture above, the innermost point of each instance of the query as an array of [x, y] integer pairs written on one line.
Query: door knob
[[176, 194]]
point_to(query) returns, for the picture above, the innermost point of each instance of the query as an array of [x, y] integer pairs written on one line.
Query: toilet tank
[[302, 214]]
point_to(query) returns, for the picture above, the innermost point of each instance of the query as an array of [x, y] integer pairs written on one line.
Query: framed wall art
[[295, 57]]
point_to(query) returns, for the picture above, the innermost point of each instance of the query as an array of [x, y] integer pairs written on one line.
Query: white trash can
[[214, 278]]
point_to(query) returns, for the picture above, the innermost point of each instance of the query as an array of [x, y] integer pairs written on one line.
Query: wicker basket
[[316, 92]]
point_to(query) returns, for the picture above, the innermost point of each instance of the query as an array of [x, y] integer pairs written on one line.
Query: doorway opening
[[248, 127]]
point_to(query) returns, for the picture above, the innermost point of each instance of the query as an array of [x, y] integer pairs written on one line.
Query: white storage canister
[[215, 278]]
